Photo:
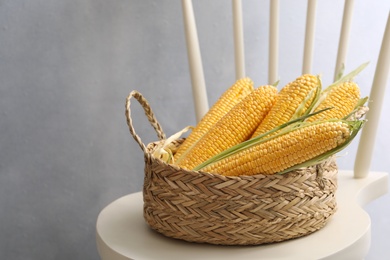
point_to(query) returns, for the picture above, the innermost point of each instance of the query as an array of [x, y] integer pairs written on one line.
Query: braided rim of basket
[[317, 169]]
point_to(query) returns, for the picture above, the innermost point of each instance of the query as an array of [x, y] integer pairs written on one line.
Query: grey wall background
[[66, 68]]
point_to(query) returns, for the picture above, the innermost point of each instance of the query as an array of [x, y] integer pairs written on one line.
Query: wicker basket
[[246, 210]]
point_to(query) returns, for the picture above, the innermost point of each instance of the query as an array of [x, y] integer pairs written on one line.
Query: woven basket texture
[[228, 210], [246, 210]]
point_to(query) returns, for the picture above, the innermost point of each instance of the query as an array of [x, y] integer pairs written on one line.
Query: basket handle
[[149, 114]]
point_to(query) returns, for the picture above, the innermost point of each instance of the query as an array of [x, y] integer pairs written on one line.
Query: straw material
[[245, 210]]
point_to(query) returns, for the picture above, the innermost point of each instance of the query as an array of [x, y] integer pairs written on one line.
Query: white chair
[[122, 233]]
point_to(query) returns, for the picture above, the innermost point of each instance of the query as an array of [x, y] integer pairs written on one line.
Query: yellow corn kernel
[[235, 127], [284, 151], [341, 98], [239, 90], [288, 101]]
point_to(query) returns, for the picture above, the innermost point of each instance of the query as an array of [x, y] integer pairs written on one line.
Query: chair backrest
[[366, 144]]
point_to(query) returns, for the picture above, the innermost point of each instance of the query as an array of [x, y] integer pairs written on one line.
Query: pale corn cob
[[239, 90], [284, 151], [289, 99], [235, 127]]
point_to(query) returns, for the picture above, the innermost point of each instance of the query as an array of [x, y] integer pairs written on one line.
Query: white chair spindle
[[367, 138], [344, 36], [273, 42], [238, 35], [195, 61], [309, 37]]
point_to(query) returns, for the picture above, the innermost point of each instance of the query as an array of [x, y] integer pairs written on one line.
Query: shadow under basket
[[210, 208]]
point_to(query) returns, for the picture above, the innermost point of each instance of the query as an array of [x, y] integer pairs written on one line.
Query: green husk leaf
[[300, 111], [276, 83], [286, 127], [361, 102], [340, 72], [347, 77], [355, 128], [343, 79]]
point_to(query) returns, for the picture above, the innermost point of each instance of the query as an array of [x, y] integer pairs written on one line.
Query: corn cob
[[342, 99], [235, 127], [239, 90], [293, 100], [284, 151]]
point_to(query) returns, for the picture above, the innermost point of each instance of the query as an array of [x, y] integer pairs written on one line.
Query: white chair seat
[[123, 234]]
